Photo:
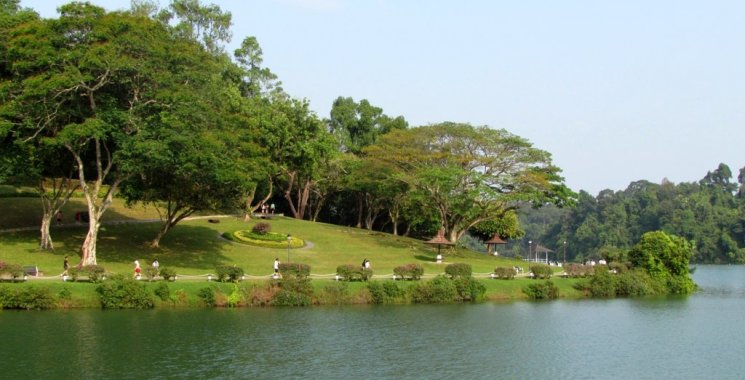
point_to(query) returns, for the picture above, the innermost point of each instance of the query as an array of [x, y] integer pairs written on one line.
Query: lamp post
[[530, 250], [565, 253], [289, 238]]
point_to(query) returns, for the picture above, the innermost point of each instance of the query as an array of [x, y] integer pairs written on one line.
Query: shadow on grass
[[186, 245]]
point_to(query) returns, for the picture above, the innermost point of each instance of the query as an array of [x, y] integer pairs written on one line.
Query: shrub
[[168, 274], [541, 271], [469, 288], [634, 283], [230, 273], [351, 272], [15, 271], [505, 273], [151, 272], [336, 293], [295, 284], [440, 289], [618, 267], [95, 273], [542, 291], [384, 291], [28, 298], [162, 291], [124, 293], [602, 283], [409, 271], [578, 270], [290, 298], [261, 228], [458, 270], [681, 284], [294, 270], [207, 295]]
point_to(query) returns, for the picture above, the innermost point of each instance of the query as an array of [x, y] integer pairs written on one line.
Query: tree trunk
[[89, 244], [46, 238], [163, 231], [360, 208]]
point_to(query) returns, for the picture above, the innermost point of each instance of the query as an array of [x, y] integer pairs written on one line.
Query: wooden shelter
[[491, 244], [439, 240]]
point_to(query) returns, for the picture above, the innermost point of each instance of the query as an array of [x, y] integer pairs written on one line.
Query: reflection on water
[[669, 337]]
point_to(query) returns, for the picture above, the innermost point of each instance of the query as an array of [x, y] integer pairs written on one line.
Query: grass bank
[[195, 248]]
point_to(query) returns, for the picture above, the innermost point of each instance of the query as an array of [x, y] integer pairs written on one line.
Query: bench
[[31, 270]]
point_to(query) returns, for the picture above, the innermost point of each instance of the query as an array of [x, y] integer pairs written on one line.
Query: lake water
[[695, 337]]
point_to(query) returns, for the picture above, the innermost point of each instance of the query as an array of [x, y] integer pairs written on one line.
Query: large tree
[[471, 174], [89, 83]]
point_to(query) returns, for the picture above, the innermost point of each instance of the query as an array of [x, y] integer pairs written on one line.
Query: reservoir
[[700, 336]]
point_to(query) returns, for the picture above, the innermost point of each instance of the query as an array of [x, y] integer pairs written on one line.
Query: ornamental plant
[[458, 270], [409, 271], [261, 228], [505, 273]]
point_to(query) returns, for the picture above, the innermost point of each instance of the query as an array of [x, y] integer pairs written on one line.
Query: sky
[[616, 91]]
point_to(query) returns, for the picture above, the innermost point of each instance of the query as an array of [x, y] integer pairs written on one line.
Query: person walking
[[276, 267], [137, 270], [65, 266]]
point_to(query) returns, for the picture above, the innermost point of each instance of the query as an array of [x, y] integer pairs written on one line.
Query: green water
[[695, 337]]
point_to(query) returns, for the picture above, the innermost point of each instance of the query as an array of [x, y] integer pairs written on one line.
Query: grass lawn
[[194, 248]]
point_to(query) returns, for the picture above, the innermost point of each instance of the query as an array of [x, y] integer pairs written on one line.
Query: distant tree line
[[709, 213]]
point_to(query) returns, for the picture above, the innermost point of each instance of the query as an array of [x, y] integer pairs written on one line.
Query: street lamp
[[565, 253], [289, 238]]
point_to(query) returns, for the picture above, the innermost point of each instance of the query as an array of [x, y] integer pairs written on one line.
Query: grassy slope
[[195, 247]]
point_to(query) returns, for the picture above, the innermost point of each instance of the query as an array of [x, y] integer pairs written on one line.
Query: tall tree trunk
[[46, 237], [288, 193], [52, 204], [360, 209], [97, 206]]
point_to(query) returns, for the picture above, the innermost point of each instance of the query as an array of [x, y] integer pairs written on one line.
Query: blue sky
[[616, 91]]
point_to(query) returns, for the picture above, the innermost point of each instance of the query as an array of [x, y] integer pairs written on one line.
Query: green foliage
[[162, 291], [207, 295], [290, 298], [336, 292], [603, 283], [267, 240], [409, 271], [298, 270], [261, 228], [124, 293], [230, 273], [634, 283], [505, 273], [14, 271], [440, 289], [27, 298], [541, 271], [542, 291], [351, 272], [95, 273], [469, 288], [459, 270], [578, 270], [167, 273], [384, 291], [151, 272]]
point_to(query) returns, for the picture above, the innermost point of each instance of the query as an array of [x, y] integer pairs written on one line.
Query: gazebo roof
[[542, 249], [495, 240], [439, 239]]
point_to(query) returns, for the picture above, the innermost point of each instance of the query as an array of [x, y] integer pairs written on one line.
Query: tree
[[300, 148], [89, 83], [357, 125], [665, 257], [471, 174]]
